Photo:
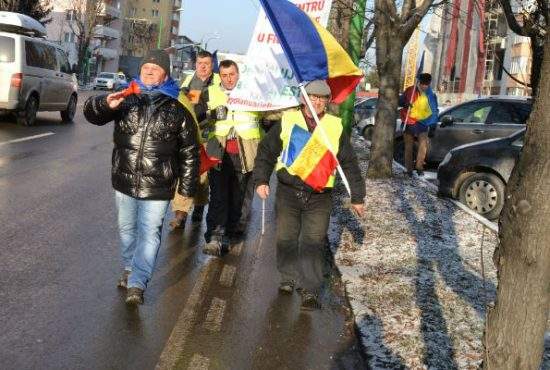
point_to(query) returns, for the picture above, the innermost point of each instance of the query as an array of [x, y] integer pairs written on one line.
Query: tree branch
[[511, 18]]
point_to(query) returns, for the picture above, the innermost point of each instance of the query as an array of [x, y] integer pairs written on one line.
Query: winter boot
[[217, 247], [309, 301], [123, 279], [134, 296], [286, 287]]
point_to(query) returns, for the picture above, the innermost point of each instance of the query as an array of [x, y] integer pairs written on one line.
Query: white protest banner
[[266, 80]]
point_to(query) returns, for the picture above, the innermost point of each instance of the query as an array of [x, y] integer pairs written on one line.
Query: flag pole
[[324, 135]]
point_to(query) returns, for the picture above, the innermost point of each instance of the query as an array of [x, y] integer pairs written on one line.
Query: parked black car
[[472, 121], [363, 114], [477, 173]]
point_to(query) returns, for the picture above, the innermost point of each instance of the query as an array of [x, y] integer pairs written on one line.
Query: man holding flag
[[419, 114], [306, 174], [307, 148]]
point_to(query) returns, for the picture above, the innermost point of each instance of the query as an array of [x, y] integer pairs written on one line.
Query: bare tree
[[138, 36], [83, 17], [393, 29]]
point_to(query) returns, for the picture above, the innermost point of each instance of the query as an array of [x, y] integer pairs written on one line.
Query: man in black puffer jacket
[[155, 145]]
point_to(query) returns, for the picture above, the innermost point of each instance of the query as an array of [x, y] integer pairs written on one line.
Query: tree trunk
[[389, 53], [537, 53], [339, 21], [516, 325]]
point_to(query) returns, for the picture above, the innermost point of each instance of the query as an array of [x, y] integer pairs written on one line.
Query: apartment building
[[471, 51], [150, 24], [105, 46]]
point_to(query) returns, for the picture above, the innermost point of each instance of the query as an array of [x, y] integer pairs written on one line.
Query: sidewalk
[[414, 273]]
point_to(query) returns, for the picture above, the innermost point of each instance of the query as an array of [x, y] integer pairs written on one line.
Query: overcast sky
[[233, 20]]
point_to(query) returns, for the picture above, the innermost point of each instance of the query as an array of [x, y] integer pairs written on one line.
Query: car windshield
[[106, 75], [368, 104], [7, 49]]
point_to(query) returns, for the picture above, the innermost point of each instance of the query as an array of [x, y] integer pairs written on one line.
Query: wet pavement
[[59, 263]]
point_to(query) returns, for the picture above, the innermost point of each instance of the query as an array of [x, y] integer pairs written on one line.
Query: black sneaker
[[123, 279], [134, 296], [198, 211], [409, 173], [286, 287], [309, 302], [420, 173]]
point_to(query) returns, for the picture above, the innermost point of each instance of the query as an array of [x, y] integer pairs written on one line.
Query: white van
[[35, 74]]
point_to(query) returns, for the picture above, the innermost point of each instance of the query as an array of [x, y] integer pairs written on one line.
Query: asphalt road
[[59, 261]]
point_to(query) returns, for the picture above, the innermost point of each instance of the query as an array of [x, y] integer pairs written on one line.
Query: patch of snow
[[418, 273]]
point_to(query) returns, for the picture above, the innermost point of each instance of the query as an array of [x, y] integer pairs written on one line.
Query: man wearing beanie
[[297, 149], [156, 150]]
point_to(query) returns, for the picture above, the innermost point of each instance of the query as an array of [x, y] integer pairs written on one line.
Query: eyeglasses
[[316, 98]]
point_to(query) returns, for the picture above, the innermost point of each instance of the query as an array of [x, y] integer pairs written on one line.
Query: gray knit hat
[[318, 87], [158, 57]]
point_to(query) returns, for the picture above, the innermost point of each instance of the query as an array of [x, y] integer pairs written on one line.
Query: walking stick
[[263, 216]]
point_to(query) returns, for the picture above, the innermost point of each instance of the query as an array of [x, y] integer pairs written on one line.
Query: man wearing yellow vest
[[302, 208], [192, 88], [233, 138]]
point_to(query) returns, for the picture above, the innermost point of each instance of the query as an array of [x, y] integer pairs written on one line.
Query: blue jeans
[[140, 227]]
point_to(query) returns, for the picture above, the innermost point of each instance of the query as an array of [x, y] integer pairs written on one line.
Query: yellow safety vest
[[215, 80], [182, 98], [245, 124], [331, 125], [194, 95]]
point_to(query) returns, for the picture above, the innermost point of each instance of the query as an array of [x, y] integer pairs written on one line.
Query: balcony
[[102, 31], [107, 53], [109, 11]]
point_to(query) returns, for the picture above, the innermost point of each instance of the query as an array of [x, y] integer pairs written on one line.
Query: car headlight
[[446, 159]]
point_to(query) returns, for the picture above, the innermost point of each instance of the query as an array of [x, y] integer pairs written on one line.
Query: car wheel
[[68, 114], [483, 193], [27, 117], [367, 132]]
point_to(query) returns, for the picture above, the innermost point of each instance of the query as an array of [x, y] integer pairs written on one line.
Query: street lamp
[[214, 36]]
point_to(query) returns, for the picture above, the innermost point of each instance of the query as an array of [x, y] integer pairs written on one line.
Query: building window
[[518, 39], [519, 65], [69, 37], [174, 30], [155, 12], [516, 91]]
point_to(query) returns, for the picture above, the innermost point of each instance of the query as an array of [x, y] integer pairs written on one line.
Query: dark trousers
[[228, 189], [302, 224]]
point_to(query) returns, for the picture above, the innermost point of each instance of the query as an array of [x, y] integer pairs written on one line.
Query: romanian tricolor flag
[[312, 52], [309, 158]]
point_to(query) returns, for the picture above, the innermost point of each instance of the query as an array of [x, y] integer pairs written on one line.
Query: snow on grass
[[413, 273]]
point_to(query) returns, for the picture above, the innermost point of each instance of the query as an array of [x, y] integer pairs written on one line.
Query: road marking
[[237, 249], [199, 362], [227, 276], [26, 138], [174, 346], [214, 316]]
